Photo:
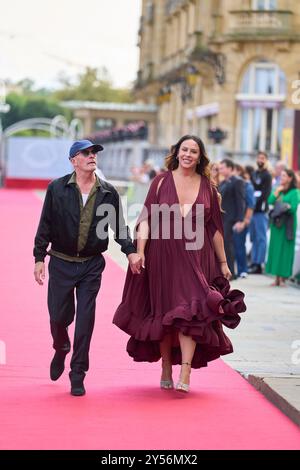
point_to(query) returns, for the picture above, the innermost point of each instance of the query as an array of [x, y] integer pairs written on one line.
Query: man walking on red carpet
[[70, 221]]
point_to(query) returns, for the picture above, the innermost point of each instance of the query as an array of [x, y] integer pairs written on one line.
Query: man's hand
[[135, 262], [39, 272]]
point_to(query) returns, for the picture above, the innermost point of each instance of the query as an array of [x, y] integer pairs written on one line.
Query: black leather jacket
[[280, 215], [60, 218], [233, 195], [262, 183]]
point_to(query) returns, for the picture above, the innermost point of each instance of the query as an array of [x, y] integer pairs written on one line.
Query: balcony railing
[[172, 63], [258, 22]]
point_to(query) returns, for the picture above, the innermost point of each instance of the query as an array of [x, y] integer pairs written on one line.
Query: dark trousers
[[65, 279], [239, 239], [228, 244]]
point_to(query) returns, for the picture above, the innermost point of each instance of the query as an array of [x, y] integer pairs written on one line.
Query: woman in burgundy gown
[[176, 307]]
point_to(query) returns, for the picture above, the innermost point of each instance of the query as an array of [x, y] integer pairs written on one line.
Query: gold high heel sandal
[[181, 386]]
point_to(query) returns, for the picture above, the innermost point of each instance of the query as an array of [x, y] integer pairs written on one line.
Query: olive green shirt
[[86, 216]]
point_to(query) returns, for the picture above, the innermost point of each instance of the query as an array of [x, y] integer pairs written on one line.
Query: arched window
[[264, 4], [260, 108]]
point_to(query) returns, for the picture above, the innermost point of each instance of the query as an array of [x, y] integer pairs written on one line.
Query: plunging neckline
[[192, 205]]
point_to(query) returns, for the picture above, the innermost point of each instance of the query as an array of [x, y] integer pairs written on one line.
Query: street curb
[[274, 397]]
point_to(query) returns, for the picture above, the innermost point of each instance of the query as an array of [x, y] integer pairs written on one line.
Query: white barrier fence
[[35, 158]]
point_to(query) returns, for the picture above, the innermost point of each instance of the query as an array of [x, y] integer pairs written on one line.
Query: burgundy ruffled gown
[[179, 289]]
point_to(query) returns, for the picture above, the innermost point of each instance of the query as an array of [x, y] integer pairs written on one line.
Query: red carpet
[[123, 408]]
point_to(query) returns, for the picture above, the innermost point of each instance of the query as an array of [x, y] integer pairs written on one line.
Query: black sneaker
[[256, 269], [57, 365], [77, 389]]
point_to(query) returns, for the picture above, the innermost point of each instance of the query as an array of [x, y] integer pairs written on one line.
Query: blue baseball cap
[[82, 145]]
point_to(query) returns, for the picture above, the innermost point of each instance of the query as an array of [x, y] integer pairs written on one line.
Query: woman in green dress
[[282, 246]]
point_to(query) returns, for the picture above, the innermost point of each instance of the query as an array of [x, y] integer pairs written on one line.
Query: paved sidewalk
[[267, 341]]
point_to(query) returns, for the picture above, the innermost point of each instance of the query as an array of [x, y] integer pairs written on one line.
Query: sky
[[39, 39]]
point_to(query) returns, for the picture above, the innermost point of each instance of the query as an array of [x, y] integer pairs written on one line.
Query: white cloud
[[39, 39]]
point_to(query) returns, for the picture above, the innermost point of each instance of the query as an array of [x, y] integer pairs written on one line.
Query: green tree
[[92, 85], [26, 85], [26, 107]]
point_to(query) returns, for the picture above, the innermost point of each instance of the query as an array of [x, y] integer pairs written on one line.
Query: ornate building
[[229, 65]]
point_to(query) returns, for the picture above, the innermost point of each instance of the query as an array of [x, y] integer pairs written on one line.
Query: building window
[[260, 108], [264, 4], [149, 14], [103, 123]]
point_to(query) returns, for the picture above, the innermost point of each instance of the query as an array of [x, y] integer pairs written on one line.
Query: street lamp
[[192, 75], [216, 134]]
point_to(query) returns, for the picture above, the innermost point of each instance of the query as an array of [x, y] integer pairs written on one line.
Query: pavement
[[267, 341]]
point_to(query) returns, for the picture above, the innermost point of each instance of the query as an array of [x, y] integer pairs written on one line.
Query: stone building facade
[[230, 65]]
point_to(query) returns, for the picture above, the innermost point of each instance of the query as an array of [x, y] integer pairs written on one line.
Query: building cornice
[[103, 106]]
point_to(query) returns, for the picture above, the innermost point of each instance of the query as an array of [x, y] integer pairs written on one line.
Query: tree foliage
[[92, 85], [26, 107]]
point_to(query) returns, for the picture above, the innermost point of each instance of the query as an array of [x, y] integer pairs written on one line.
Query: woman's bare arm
[[142, 236], [218, 242]]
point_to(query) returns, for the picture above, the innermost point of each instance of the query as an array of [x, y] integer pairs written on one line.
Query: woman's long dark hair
[[202, 168], [293, 182]]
